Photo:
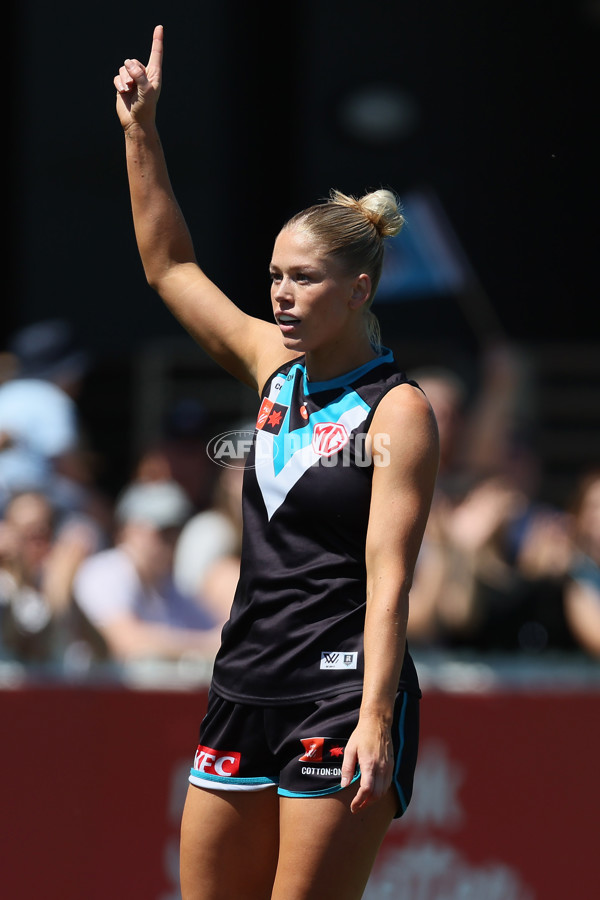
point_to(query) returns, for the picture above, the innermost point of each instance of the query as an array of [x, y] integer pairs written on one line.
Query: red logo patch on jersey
[[319, 749], [264, 412], [329, 437], [270, 416], [217, 762]]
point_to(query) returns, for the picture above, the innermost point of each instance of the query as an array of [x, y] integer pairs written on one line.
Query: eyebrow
[[303, 266]]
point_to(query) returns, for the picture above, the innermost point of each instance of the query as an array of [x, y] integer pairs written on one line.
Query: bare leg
[[325, 850], [229, 844]]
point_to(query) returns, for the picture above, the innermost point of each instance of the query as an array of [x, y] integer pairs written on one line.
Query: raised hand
[[138, 86]]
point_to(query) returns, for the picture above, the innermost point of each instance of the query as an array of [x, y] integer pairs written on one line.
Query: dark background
[[504, 94]]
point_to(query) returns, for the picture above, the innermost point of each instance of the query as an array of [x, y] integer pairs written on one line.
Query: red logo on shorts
[[216, 762], [318, 749], [329, 437]]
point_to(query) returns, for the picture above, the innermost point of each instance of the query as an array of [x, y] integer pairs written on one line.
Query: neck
[[324, 364]]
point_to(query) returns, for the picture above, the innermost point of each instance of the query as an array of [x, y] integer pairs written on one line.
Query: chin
[[291, 343]]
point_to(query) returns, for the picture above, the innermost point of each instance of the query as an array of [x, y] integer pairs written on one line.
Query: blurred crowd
[[150, 574], [501, 570]]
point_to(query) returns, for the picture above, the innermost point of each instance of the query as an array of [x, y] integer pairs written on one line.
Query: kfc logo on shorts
[[216, 762], [329, 437]]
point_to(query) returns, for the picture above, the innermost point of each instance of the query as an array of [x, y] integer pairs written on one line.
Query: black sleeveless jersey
[[296, 625]]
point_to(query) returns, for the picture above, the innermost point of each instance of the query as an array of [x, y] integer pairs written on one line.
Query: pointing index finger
[[156, 53]]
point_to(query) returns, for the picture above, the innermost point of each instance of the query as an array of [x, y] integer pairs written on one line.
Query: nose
[[282, 290]]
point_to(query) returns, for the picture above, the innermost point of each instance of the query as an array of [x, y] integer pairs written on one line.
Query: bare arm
[[582, 609], [403, 485], [128, 639], [246, 346]]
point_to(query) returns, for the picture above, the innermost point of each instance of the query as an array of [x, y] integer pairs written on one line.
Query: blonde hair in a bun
[[354, 230], [382, 208]]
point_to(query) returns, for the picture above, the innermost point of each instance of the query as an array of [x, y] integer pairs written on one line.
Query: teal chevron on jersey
[[285, 457], [286, 453], [348, 408]]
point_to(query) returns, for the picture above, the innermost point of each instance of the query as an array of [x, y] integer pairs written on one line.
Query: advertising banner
[[505, 803]]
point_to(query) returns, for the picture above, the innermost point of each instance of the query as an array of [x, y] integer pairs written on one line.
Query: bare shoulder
[[272, 357], [405, 439], [405, 453], [405, 407]]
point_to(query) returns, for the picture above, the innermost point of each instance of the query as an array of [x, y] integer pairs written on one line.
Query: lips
[[287, 323], [285, 319]]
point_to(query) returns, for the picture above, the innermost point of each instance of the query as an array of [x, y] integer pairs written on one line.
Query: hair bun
[[382, 208]]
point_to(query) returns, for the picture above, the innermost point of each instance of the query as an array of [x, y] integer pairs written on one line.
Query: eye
[[275, 277]]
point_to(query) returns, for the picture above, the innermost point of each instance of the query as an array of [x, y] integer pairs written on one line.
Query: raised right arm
[[248, 347]]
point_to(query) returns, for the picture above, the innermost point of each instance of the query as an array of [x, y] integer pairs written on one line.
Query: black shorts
[[297, 747]]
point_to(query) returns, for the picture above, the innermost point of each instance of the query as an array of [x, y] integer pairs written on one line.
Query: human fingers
[[374, 784], [349, 763], [123, 81], [156, 53], [135, 73], [364, 794]]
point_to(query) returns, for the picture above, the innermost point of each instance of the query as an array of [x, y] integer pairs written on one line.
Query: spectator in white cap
[[127, 592], [39, 419]]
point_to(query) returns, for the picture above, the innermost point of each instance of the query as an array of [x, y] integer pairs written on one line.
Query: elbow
[[156, 265], [394, 601], [154, 284], [157, 282], [153, 278]]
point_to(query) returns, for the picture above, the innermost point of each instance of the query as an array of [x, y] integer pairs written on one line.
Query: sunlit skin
[[326, 304]]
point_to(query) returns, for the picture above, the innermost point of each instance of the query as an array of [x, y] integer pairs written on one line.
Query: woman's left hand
[[370, 749]]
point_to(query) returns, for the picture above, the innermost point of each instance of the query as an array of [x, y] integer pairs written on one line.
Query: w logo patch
[[334, 660]]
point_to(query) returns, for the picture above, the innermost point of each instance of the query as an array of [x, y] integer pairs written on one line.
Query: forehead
[[296, 247]]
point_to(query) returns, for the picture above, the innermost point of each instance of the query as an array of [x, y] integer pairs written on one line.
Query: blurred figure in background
[[8, 366], [127, 592], [179, 453], [582, 589], [38, 560], [490, 568], [483, 432], [39, 425], [207, 555], [472, 503]]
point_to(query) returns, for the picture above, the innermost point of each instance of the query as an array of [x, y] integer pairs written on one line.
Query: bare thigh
[[325, 850], [229, 844]]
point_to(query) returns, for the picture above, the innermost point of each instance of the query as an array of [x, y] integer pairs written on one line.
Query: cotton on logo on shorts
[[215, 762]]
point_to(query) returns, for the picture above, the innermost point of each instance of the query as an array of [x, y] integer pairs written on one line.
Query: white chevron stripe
[[275, 488]]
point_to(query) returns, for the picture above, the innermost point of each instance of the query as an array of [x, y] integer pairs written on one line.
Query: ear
[[361, 291]]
